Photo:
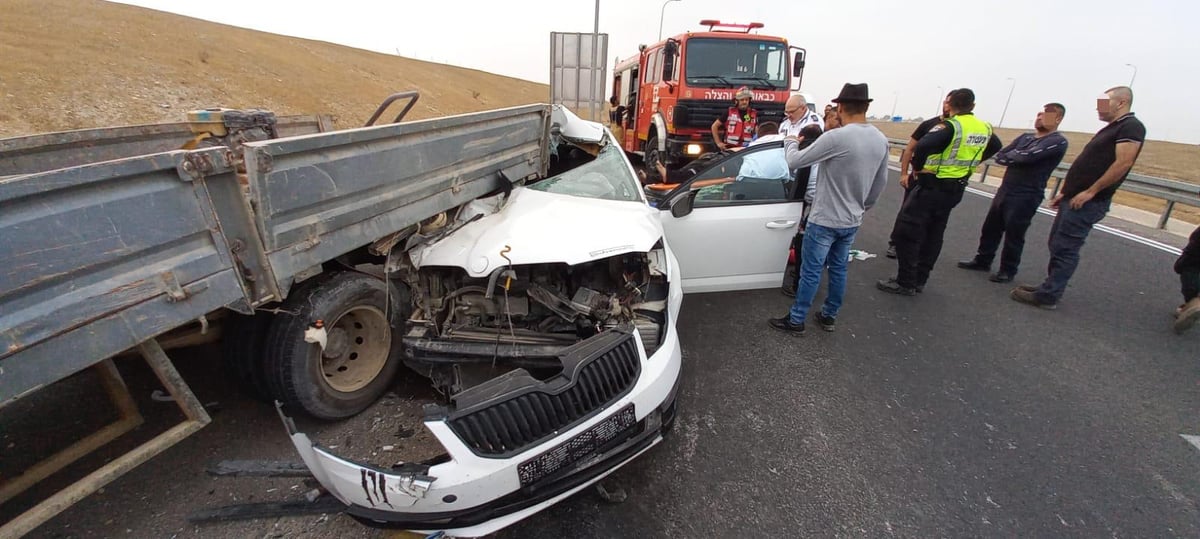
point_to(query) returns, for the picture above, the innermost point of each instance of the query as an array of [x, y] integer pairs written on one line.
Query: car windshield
[[606, 177], [736, 62]]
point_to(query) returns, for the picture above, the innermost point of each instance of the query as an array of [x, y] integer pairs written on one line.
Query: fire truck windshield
[[713, 62]]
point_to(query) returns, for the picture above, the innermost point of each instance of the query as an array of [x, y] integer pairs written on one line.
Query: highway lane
[[954, 413]]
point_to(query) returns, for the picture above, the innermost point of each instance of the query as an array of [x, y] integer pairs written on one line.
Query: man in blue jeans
[[1087, 194], [852, 175]]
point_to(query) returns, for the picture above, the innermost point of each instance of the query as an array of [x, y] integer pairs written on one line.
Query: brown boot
[[1188, 315]]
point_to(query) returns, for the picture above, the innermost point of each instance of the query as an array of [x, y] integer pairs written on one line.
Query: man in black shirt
[[1030, 160], [907, 175], [1087, 193]]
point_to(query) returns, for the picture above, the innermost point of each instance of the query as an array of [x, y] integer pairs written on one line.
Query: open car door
[[730, 226]]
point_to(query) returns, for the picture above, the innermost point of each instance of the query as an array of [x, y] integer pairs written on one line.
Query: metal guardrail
[[1171, 191]]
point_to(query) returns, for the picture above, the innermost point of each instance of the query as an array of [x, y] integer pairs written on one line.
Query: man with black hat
[[852, 173], [944, 160]]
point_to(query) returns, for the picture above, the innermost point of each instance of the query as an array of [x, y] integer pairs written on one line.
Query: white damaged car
[[547, 316]]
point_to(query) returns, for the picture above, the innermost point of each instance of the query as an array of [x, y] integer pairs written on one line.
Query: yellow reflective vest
[[965, 151]]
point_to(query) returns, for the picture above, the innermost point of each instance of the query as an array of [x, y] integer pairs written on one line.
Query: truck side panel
[[101, 257], [51, 151], [319, 196]]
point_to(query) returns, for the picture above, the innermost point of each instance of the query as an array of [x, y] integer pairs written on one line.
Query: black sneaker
[[893, 287], [1001, 277], [891, 251], [973, 264], [828, 323], [785, 325]]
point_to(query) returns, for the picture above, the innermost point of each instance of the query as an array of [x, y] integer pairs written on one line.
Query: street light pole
[[894, 101], [660, 17], [1010, 92], [941, 99], [1134, 74]]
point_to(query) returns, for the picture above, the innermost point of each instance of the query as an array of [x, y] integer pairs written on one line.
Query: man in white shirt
[[796, 116], [766, 164]]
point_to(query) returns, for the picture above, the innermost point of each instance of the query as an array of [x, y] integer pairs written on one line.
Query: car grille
[[511, 425]]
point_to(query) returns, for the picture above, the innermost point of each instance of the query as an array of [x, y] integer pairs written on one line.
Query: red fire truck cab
[[673, 90]]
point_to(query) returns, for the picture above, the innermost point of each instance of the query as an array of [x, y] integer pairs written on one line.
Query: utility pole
[[941, 99], [894, 102], [1010, 92], [1134, 74]]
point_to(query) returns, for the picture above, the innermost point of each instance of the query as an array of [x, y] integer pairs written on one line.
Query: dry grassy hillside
[[72, 64]]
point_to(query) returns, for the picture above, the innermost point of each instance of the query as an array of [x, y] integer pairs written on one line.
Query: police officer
[[740, 123], [944, 160]]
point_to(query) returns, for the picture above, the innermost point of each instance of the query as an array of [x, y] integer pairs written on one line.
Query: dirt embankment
[[75, 64]]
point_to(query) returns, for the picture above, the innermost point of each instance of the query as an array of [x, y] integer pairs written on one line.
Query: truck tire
[[242, 344], [650, 157], [361, 317]]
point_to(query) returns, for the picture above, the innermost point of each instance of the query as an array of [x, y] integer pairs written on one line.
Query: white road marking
[[1103, 228], [1192, 439]]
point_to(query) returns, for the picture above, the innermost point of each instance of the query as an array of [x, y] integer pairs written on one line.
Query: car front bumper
[[470, 495]]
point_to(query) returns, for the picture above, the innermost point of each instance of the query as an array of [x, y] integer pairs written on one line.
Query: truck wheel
[[652, 157], [242, 340], [362, 348]]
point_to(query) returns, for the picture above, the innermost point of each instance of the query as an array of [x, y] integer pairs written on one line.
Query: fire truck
[[670, 93]]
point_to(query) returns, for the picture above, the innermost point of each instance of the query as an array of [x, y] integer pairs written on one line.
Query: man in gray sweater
[[853, 171]]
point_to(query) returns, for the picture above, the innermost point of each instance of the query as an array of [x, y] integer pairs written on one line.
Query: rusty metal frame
[[197, 418]]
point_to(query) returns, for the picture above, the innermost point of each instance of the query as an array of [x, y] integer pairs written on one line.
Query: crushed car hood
[[536, 227]]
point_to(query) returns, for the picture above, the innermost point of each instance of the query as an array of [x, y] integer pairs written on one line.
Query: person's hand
[[905, 180], [1082, 198], [1054, 201]]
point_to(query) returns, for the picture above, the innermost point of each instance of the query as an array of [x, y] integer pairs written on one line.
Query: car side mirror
[[685, 205]]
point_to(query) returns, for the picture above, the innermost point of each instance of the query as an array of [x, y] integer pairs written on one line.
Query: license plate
[[582, 445]]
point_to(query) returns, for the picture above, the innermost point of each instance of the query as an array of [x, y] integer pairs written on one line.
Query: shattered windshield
[[607, 178]]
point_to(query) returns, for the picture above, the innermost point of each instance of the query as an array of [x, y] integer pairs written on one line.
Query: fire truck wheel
[[335, 348], [651, 158]]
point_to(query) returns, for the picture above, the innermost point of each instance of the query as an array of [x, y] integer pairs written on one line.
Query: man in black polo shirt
[[1030, 160], [1087, 193]]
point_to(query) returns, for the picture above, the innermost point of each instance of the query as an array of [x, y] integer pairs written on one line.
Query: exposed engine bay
[[466, 330]]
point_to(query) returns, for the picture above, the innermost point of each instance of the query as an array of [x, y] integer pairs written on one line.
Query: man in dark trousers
[[1087, 194], [944, 160], [1030, 160], [907, 174], [1188, 268]]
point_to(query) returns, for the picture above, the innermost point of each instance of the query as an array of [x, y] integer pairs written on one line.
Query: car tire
[[361, 316]]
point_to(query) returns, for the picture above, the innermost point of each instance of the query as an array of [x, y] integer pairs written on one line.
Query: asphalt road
[[954, 413]]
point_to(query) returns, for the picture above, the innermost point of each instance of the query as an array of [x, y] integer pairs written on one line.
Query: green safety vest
[[963, 154]]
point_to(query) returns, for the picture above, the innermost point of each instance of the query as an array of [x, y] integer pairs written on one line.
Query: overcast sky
[[1068, 51]]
